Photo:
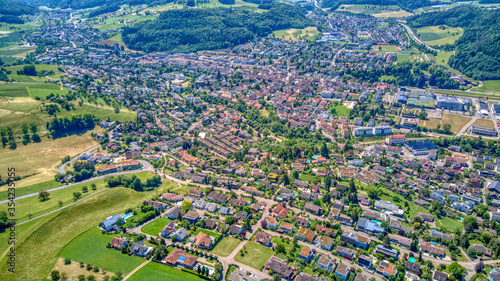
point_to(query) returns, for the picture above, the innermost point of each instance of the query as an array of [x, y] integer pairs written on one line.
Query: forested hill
[[191, 30], [478, 50], [84, 4], [407, 5], [12, 8]]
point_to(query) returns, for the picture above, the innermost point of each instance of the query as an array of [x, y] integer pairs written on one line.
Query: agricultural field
[[484, 123], [122, 21], [154, 227], [45, 156], [225, 246], [375, 10], [439, 35], [158, 271], [255, 256], [457, 122], [295, 35], [35, 259]]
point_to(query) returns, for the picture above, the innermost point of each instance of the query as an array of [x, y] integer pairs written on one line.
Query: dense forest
[[478, 50], [410, 74], [191, 30], [407, 5], [65, 125], [16, 9], [106, 8], [84, 4]]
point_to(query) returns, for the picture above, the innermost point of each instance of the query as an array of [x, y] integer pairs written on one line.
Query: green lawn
[[90, 247], [340, 110], [293, 34], [490, 86], [35, 259], [154, 227], [256, 256], [157, 271], [225, 246], [449, 224]]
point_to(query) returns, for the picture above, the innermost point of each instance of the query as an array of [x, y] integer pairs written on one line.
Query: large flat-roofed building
[[372, 131], [484, 131], [421, 147], [450, 103]]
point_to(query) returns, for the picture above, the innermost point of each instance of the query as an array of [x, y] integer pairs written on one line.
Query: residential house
[[139, 249], [325, 263], [343, 271], [118, 242], [306, 254], [179, 257]]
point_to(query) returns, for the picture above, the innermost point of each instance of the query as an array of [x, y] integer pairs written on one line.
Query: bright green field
[[35, 259], [90, 247], [490, 86], [154, 227], [157, 271], [207, 232], [256, 256], [433, 35], [340, 110], [226, 246], [449, 224]]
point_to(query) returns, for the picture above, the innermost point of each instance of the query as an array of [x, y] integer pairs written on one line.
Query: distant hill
[[191, 30], [16, 9], [84, 4], [407, 5], [478, 50]]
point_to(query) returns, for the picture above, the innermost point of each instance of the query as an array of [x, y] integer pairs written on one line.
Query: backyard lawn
[[449, 224], [158, 271], [225, 246], [256, 255], [154, 227]]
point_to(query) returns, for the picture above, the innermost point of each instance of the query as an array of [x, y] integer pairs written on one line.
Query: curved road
[[63, 166], [145, 167], [414, 37]]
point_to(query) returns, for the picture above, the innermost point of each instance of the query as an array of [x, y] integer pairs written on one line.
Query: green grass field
[[449, 224], [36, 259], [157, 271], [154, 227], [386, 48], [490, 86], [340, 110], [381, 11], [90, 247], [256, 256], [225, 246], [435, 36]]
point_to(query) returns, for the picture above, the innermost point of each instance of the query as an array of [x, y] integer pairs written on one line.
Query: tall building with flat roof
[[450, 103]]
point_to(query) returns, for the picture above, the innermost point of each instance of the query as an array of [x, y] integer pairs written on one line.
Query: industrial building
[[484, 131], [450, 103], [372, 131]]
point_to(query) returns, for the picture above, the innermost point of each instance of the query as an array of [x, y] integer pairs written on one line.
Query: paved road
[[412, 35], [464, 128], [62, 168], [145, 167]]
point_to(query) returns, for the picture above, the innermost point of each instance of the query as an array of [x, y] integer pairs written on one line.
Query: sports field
[[439, 35]]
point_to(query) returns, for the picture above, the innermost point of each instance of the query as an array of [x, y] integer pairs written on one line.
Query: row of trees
[[61, 126]]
